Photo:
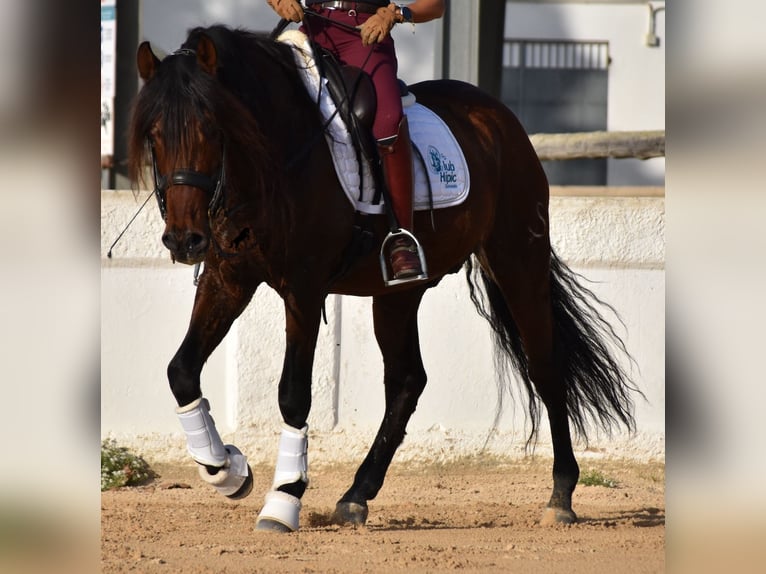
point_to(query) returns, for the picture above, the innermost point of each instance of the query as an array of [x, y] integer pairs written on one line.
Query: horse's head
[[175, 123]]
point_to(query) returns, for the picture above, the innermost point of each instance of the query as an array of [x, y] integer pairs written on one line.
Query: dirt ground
[[479, 516]]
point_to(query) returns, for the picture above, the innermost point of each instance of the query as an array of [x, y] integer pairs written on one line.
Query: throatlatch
[[281, 510], [222, 466]]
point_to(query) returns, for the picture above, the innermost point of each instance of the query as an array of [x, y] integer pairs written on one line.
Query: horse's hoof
[[279, 513], [350, 513], [269, 525], [246, 487], [557, 516], [235, 480]]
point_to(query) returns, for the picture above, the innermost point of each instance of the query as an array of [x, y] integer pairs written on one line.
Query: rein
[[284, 23], [318, 16], [132, 219]]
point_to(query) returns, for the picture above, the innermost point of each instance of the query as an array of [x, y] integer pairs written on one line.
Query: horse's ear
[[147, 61], [206, 54]]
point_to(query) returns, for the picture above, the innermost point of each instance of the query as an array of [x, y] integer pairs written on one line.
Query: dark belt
[[362, 7]]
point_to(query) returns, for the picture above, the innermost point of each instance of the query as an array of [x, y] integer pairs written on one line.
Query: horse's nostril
[[195, 242], [170, 241]]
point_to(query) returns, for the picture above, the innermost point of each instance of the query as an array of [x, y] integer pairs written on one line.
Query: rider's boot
[[396, 154]]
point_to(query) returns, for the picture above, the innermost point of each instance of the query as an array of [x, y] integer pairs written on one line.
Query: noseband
[[188, 177]]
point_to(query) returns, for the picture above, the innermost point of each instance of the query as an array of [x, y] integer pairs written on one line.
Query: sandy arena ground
[[479, 516]]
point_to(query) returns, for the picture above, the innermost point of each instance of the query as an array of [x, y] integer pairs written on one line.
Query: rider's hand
[[287, 9], [376, 27]]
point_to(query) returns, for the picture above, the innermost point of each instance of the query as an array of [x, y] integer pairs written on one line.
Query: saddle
[[440, 170], [350, 87], [353, 92], [346, 100]]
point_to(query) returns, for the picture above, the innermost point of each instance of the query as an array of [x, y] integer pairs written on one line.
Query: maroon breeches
[[378, 60]]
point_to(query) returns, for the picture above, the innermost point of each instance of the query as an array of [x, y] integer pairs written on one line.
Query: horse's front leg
[[216, 306], [283, 502]]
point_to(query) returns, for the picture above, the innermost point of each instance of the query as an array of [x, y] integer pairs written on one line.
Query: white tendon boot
[[230, 474], [281, 510]]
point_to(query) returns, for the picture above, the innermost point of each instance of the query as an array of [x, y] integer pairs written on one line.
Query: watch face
[[406, 14]]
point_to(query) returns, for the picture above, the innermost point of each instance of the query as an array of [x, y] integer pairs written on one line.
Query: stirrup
[[384, 265]]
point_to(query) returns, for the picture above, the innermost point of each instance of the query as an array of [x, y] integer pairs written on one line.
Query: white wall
[[146, 302], [636, 74]]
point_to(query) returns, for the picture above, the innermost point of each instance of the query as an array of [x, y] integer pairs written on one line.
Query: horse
[[246, 184]]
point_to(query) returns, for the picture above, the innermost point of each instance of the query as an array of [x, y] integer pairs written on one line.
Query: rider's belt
[[362, 7]]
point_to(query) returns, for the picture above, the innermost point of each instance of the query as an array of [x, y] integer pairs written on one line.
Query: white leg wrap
[[232, 476], [292, 466], [282, 508], [292, 460], [202, 439]]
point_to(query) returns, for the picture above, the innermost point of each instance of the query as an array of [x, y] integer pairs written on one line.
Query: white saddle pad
[[443, 164]]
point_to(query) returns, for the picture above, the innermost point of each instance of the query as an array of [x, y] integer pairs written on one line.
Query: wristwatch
[[404, 14]]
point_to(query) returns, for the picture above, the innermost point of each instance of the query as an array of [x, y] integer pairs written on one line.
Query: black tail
[[598, 388]]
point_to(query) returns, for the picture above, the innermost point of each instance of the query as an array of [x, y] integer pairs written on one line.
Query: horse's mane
[[252, 75]]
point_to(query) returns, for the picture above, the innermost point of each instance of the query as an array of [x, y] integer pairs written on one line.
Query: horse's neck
[[286, 115]]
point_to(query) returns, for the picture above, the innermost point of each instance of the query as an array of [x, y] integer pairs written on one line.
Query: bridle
[[188, 177], [212, 185]]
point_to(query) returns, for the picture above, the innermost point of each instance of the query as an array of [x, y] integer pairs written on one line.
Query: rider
[[374, 20]]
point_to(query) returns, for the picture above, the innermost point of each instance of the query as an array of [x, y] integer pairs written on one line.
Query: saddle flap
[[351, 89]]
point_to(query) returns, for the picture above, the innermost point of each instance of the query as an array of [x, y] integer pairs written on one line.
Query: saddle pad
[[443, 163]]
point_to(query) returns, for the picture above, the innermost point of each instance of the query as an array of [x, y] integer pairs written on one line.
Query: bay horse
[[246, 184]]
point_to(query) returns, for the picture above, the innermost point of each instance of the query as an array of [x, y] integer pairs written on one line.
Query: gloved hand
[[287, 9], [376, 27]]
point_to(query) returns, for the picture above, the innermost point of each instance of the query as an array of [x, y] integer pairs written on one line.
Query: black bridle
[[212, 185]]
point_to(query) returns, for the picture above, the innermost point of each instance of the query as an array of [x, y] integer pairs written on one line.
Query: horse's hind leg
[[396, 330], [520, 293], [216, 305]]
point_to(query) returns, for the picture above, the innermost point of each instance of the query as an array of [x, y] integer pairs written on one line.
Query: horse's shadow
[[646, 517], [326, 520]]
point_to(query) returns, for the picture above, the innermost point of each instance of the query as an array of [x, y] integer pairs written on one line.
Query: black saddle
[[352, 91]]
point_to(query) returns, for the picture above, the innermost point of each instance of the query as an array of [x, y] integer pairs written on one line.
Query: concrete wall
[[617, 242]]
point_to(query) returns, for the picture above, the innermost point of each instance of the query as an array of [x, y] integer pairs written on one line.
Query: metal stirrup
[[384, 266]]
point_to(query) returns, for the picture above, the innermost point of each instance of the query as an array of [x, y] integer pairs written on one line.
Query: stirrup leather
[[384, 265]]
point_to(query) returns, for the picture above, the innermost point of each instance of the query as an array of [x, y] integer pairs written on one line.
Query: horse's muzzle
[[186, 247]]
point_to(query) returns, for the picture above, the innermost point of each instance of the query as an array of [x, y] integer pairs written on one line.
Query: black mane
[[255, 79], [255, 104], [246, 63]]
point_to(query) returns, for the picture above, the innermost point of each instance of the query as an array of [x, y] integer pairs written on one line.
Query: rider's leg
[[389, 127], [396, 154]]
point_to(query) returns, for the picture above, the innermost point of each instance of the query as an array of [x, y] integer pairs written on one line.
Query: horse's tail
[[585, 346]]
